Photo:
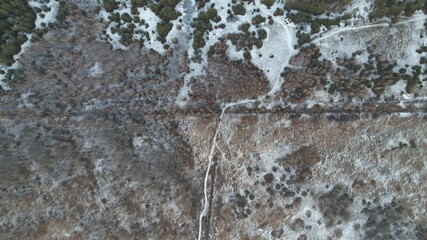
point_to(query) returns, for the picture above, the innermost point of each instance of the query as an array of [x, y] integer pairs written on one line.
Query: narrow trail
[[337, 30], [214, 146], [189, 14], [210, 157]]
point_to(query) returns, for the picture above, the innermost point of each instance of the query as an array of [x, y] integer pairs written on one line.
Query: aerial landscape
[[227, 119]]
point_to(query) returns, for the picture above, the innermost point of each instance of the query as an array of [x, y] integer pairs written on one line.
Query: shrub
[[126, 17], [247, 55], [211, 51], [138, 3], [239, 9], [110, 5], [392, 9], [262, 34], [268, 3], [163, 28], [211, 13], [244, 27], [165, 9], [328, 22], [114, 17], [258, 43], [300, 17], [303, 38], [279, 12], [258, 19], [198, 42], [168, 13]]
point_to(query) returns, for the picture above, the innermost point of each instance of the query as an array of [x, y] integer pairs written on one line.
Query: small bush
[[110, 5], [163, 29], [126, 17], [168, 13], [268, 3], [262, 34], [211, 51], [247, 55], [239, 9], [279, 12], [258, 43], [244, 27], [198, 42], [114, 17], [303, 38], [258, 19]]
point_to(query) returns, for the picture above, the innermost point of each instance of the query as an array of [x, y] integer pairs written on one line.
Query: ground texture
[[96, 144]]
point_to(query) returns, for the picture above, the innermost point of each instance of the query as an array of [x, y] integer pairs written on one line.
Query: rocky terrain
[[303, 140]]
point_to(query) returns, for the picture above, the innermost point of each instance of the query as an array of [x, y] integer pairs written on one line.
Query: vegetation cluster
[[128, 26], [17, 19]]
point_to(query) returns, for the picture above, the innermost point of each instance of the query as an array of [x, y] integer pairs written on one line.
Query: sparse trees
[[202, 24]]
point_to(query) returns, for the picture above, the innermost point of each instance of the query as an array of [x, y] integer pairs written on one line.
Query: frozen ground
[[257, 142], [104, 152], [49, 16], [272, 58], [390, 39]]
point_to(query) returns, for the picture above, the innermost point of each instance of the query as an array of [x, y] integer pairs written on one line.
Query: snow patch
[[96, 70], [24, 99], [49, 16], [360, 9], [318, 97], [276, 52], [341, 42], [398, 90]]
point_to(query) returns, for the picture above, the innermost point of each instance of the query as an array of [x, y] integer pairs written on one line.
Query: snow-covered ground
[[390, 40], [360, 9], [49, 16], [96, 70], [272, 58], [366, 155]]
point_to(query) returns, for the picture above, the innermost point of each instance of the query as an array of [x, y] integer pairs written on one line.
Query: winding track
[[274, 87], [211, 154], [337, 30]]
